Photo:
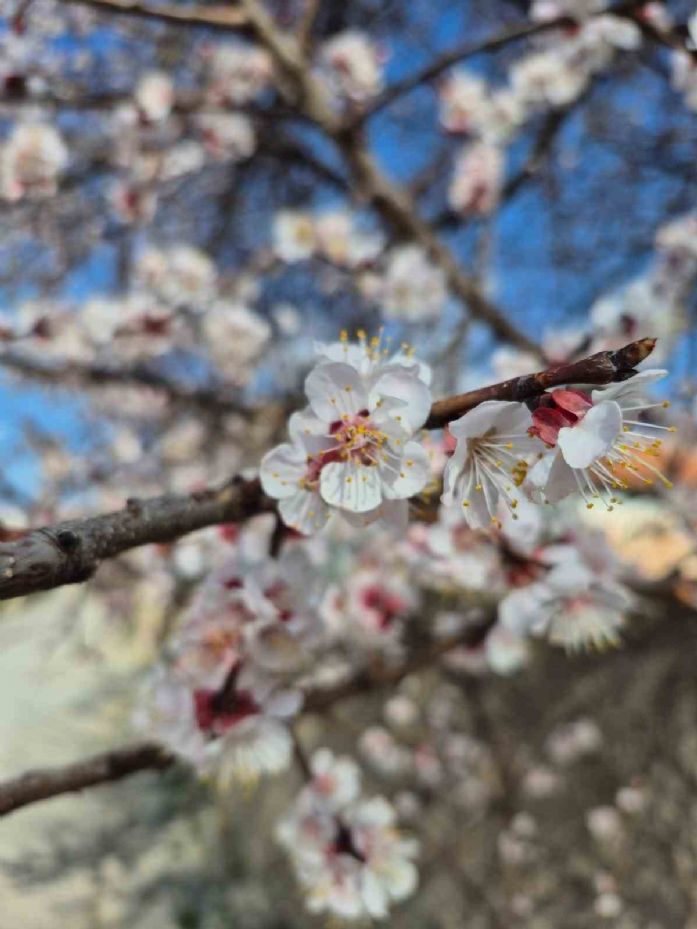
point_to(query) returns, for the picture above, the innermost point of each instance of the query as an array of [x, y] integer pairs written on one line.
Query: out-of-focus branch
[[99, 769], [70, 552], [469, 49], [670, 38], [149, 756], [226, 17], [92, 374], [601, 368], [300, 86]]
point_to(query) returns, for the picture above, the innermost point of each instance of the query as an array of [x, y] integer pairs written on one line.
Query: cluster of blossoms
[[234, 74], [408, 287], [223, 698], [352, 450], [553, 76], [404, 283], [333, 235], [176, 298], [346, 850]]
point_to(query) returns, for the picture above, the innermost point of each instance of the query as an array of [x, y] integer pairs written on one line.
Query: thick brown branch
[[70, 552], [601, 368], [99, 769]]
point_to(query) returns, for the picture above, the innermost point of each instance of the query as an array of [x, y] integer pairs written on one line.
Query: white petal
[[374, 895], [592, 437], [631, 392], [401, 878], [454, 471], [413, 396], [477, 515], [305, 511], [309, 432], [284, 704], [519, 611], [491, 415], [350, 486], [561, 482], [335, 389], [281, 469], [412, 476]]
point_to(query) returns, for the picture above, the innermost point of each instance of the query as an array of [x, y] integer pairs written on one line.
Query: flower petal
[[592, 437], [561, 482], [305, 511], [334, 390], [351, 486], [412, 476], [412, 396], [281, 469]]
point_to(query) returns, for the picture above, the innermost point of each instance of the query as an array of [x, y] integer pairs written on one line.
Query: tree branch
[[469, 49], [302, 88], [99, 769], [226, 17], [70, 552], [79, 374], [149, 756], [601, 368]]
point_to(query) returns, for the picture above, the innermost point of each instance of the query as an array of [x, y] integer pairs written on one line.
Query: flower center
[[358, 439]]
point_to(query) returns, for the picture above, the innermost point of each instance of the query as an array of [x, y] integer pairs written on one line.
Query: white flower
[[346, 851], [336, 780], [548, 78], [353, 447], [653, 305], [181, 275], [489, 462], [412, 288], [238, 73], [353, 64], [191, 277], [476, 182], [294, 235], [154, 95], [573, 607], [464, 103], [342, 243], [373, 602], [599, 440], [236, 338], [32, 161], [227, 135]]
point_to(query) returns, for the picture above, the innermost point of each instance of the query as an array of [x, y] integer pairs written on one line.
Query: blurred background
[[177, 234]]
